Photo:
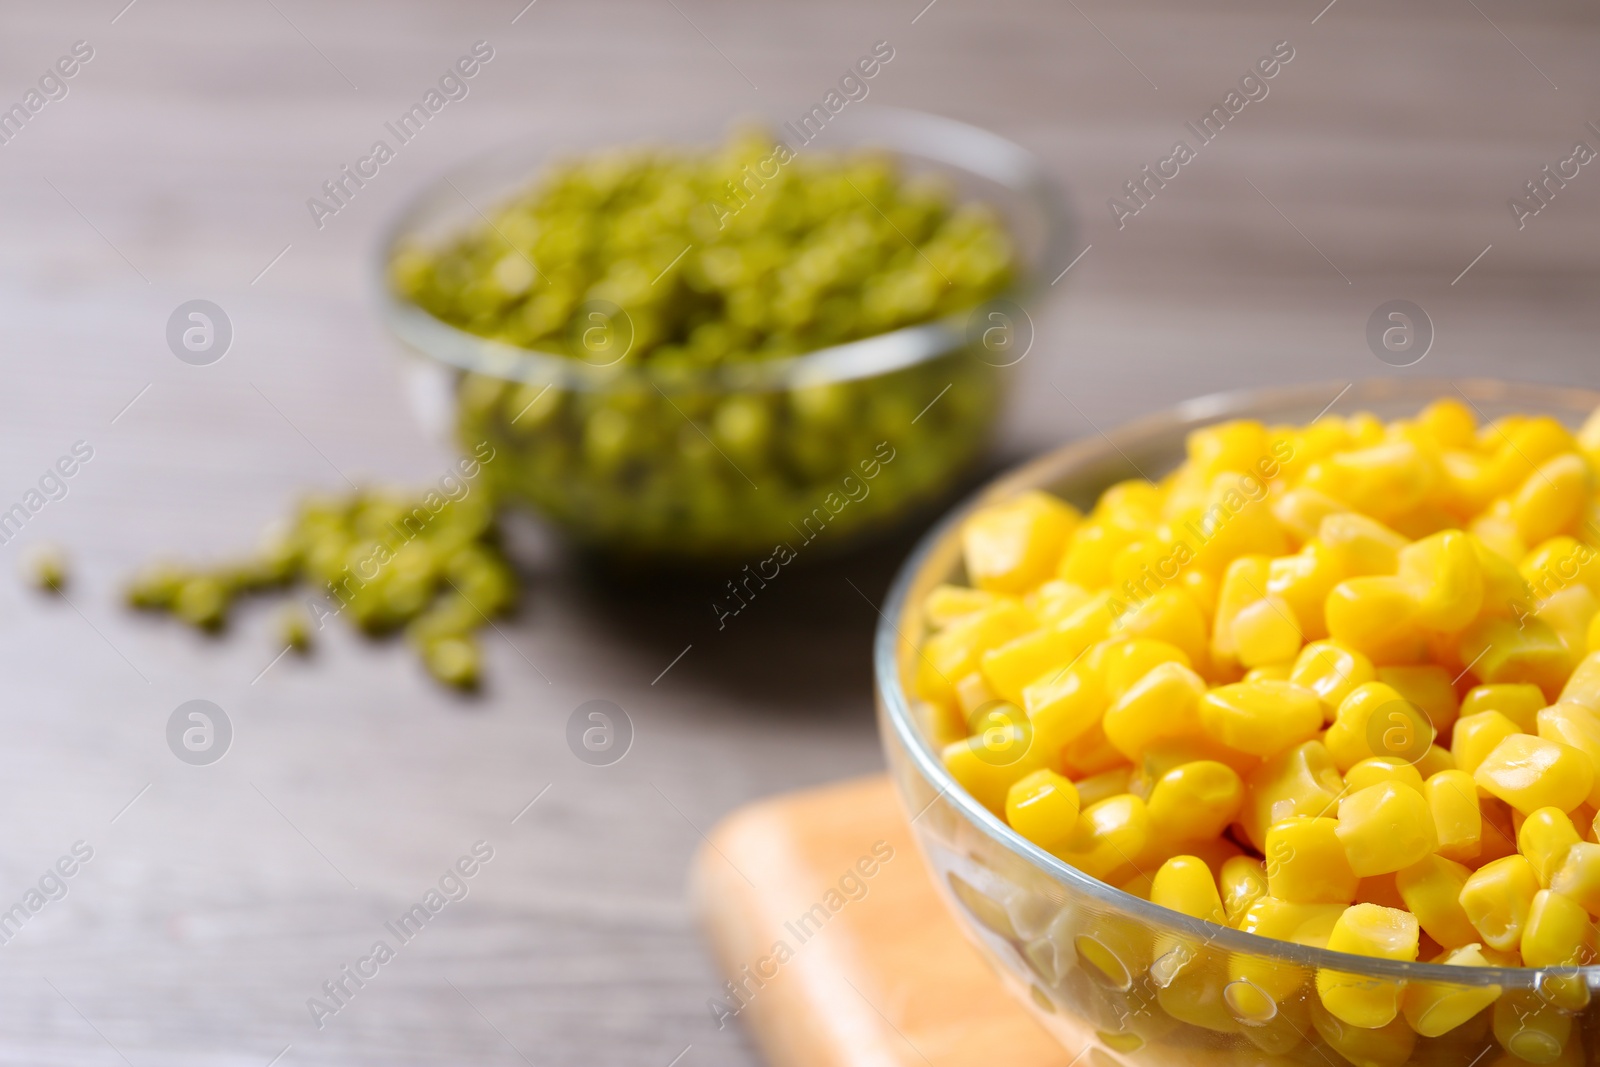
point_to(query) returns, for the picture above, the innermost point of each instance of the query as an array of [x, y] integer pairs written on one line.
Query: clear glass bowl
[[1120, 980], [925, 396]]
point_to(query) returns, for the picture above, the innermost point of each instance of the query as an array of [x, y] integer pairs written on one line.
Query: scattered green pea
[[293, 629], [46, 567]]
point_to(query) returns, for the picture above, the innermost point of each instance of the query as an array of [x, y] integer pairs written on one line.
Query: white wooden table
[[177, 166]]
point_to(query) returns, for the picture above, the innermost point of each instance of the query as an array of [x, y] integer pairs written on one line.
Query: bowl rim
[[1052, 466], [987, 155]]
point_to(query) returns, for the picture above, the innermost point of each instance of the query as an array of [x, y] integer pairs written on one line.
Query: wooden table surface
[[220, 898]]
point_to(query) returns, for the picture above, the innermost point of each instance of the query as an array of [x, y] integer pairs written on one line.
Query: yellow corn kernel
[[1055, 600], [1097, 787], [1444, 576], [1244, 582], [1551, 499], [1120, 663], [953, 653], [1164, 705], [1386, 1046], [1376, 616], [1434, 760], [945, 604], [1519, 702], [1431, 889], [1032, 656], [1457, 819], [1583, 687], [1064, 706], [1578, 727], [1367, 930], [1495, 530], [1578, 877], [1269, 672], [1304, 580], [1301, 511], [1013, 546], [1478, 735], [1185, 884], [1531, 1028], [1043, 807], [1306, 862], [1497, 898], [1530, 773], [1332, 671], [1433, 1009], [1204, 587], [1090, 753], [1449, 422], [1570, 612], [1544, 838], [1195, 801], [1242, 881], [1302, 924], [986, 763], [1380, 769], [1171, 616], [1428, 686], [1261, 718], [1107, 837], [1375, 720], [1301, 781], [1558, 932], [1237, 445], [1360, 545], [1384, 480], [1385, 827], [972, 693], [1516, 650], [1086, 561], [1559, 563], [1266, 631]]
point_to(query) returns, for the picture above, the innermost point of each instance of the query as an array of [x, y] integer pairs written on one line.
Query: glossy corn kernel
[[987, 763], [1055, 600], [1375, 720], [1367, 930], [1558, 932], [947, 603], [1301, 781], [1520, 702], [1577, 727], [1530, 773], [1516, 650], [1064, 706], [1428, 686], [1445, 579], [1332, 671], [1043, 807], [1195, 801], [1243, 583], [1384, 828], [1306, 862], [1241, 882], [1431, 889], [1449, 422], [1089, 552], [1164, 705], [1434, 1009], [1301, 511], [1380, 769], [1108, 837], [1013, 546], [1544, 838], [1578, 876], [1583, 687], [1385, 1046], [1266, 631], [1497, 898], [1185, 884], [1269, 672], [1376, 616], [1532, 1029], [1434, 760], [1172, 616], [1457, 818], [1261, 718], [1360, 545], [1478, 735], [953, 653], [1551, 499], [1302, 924]]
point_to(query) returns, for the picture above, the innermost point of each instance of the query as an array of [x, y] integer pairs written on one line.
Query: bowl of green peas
[[699, 351]]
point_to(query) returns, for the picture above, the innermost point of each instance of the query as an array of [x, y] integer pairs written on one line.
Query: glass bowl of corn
[[705, 351], [1257, 733]]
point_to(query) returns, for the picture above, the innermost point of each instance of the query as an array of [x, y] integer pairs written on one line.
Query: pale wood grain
[[191, 142]]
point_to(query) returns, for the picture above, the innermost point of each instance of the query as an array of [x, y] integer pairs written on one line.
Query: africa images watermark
[[52, 87], [753, 977], [356, 576], [1540, 191], [853, 88], [854, 490], [52, 486], [1252, 87], [342, 188], [51, 887], [350, 979]]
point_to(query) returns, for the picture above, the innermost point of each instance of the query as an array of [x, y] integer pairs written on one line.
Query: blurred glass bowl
[[1126, 981], [679, 496]]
